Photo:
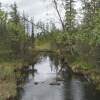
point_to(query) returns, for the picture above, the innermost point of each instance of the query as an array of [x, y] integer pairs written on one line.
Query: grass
[[43, 46], [95, 78], [8, 79], [87, 67], [7, 89], [81, 64]]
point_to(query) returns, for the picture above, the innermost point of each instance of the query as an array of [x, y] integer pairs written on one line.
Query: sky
[[40, 9]]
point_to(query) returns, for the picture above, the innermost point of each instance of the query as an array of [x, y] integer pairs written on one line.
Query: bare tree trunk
[[60, 19]]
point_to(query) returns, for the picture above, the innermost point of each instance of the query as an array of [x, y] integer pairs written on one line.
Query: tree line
[[81, 39], [77, 37], [15, 30]]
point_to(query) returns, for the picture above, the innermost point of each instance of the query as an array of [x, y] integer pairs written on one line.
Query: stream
[[37, 83]]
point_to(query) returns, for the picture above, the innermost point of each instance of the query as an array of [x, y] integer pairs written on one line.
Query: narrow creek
[[37, 84]]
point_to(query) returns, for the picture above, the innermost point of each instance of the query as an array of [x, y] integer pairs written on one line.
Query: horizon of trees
[[81, 39]]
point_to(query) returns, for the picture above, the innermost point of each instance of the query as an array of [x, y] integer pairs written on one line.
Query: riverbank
[[81, 67], [8, 79], [85, 68], [44, 84]]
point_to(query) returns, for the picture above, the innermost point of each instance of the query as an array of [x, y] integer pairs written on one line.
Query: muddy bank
[[91, 75]]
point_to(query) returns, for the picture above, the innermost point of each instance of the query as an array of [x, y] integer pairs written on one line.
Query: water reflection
[[44, 72], [77, 90]]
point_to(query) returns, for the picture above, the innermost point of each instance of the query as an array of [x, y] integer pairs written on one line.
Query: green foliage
[[70, 14], [81, 64], [14, 32]]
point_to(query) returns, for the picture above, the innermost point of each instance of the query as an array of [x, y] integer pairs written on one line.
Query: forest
[[77, 41]]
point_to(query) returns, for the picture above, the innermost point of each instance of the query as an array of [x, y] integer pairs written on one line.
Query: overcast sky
[[37, 8]]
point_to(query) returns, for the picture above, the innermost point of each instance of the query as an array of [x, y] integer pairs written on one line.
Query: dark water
[[73, 88]]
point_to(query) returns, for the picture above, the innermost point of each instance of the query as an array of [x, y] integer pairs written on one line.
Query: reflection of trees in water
[[53, 58], [67, 86], [54, 64], [30, 71], [24, 75], [20, 92], [54, 61], [24, 78]]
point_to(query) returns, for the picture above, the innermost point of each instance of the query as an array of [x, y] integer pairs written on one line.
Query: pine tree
[[14, 14], [70, 14], [32, 32]]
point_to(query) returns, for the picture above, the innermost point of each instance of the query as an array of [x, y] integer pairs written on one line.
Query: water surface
[[73, 88]]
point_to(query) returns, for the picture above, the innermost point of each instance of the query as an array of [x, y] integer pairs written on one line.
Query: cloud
[[36, 8], [9, 1]]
